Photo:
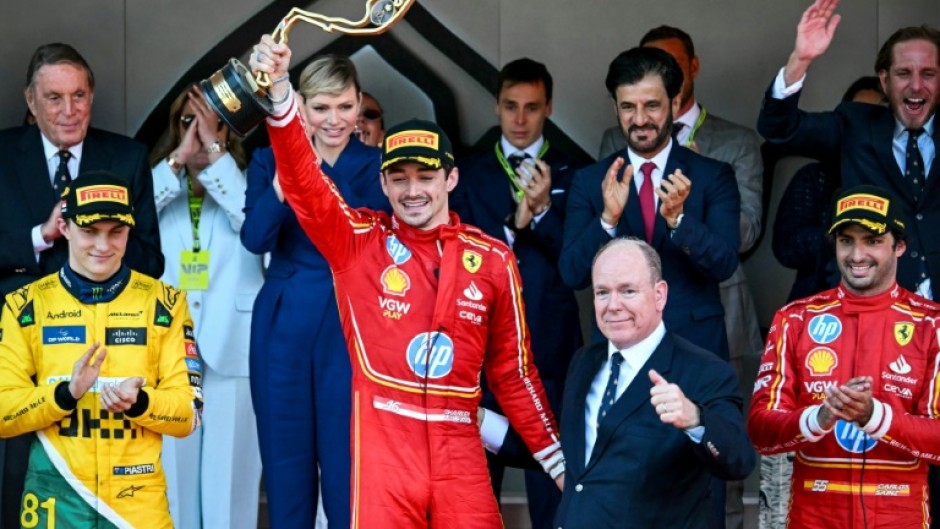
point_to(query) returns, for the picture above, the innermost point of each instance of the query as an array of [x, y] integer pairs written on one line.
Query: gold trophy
[[241, 99]]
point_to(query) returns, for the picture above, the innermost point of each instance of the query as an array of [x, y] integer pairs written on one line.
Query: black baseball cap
[[95, 196], [871, 207], [417, 141]]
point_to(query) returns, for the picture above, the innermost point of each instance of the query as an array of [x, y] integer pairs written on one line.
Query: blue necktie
[[914, 163], [610, 392]]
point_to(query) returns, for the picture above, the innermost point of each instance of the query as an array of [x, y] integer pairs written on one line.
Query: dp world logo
[[431, 355], [851, 439]]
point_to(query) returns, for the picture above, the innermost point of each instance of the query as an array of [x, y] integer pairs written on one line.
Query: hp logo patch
[[824, 328], [431, 355], [851, 439], [398, 251]]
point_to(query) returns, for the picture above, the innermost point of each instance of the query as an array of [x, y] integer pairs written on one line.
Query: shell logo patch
[[395, 281], [821, 362], [903, 332], [471, 261]]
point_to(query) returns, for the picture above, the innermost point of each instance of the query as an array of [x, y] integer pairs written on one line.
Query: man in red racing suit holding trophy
[[425, 302]]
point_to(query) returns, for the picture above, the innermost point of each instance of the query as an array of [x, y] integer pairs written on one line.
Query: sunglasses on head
[[371, 114]]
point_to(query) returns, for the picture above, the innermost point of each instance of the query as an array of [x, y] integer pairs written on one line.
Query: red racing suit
[[422, 312], [869, 476]]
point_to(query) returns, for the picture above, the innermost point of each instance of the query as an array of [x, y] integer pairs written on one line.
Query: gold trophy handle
[[383, 14]]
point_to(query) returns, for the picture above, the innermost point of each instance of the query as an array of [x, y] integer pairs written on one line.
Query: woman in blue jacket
[[300, 373]]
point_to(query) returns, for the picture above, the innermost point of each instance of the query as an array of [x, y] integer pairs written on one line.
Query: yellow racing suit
[[89, 467]]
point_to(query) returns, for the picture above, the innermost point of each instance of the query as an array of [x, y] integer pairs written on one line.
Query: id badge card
[[194, 270]]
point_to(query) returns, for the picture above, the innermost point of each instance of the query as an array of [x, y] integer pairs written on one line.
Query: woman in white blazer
[[212, 476]]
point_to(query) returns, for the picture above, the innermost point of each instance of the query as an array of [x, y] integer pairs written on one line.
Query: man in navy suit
[[873, 142], [35, 163], [516, 192], [648, 417], [689, 211]]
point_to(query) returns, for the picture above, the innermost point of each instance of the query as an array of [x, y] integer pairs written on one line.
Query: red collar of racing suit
[[855, 303], [444, 313]]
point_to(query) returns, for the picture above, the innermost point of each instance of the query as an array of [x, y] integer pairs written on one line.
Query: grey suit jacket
[[738, 146]]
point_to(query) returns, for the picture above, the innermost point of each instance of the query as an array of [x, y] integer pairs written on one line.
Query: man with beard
[[684, 205], [849, 381]]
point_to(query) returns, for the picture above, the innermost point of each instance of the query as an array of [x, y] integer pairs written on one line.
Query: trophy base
[[236, 98]]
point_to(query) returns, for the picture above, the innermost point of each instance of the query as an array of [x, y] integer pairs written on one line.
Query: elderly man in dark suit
[[516, 192], [648, 417], [36, 164]]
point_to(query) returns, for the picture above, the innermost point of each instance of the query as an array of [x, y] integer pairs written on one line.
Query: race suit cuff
[[139, 407], [880, 421], [64, 398], [551, 459], [283, 112], [493, 430], [780, 90], [809, 424]]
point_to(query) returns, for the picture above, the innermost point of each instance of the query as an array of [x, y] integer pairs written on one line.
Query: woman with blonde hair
[[300, 372]]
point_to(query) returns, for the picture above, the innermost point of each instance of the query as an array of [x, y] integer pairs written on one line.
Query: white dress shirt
[[52, 162]]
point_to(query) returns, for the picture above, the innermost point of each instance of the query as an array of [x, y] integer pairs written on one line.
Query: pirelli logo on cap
[[102, 193], [862, 201], [412, 138]]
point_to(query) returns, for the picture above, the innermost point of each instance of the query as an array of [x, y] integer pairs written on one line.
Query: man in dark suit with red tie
[[685, 205], [36, 163]]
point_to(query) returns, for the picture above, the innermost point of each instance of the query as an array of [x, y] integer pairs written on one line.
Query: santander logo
[[472, 292], [900, 366]]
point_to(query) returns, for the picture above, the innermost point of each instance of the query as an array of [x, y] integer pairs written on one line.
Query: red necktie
[[647, 204]]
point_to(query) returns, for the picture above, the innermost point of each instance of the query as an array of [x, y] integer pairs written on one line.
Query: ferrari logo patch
[[903, 332], [471, 261]]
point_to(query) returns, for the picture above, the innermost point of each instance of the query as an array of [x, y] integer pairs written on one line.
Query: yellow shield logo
[[903, 332], [472, 261]]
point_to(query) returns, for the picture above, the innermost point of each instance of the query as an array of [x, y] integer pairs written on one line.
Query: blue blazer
[[643, 473], [482, 198], [698, 255], [861, 136]]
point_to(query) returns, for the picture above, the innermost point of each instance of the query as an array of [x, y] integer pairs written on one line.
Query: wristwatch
[[214, 147]]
